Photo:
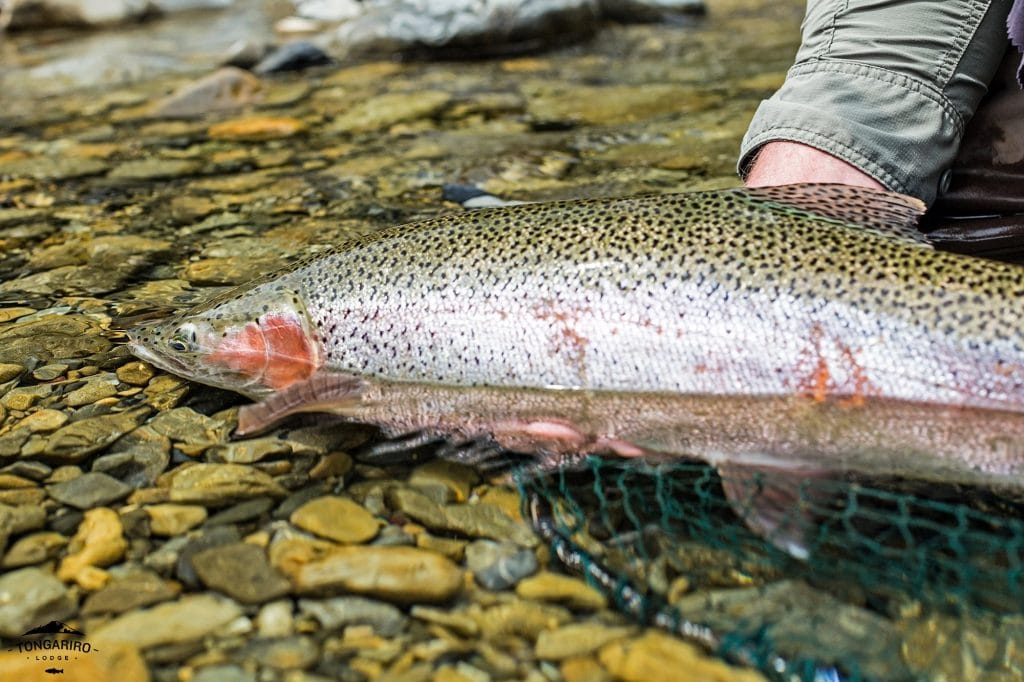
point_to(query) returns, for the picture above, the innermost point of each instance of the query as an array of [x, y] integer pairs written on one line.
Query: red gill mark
[[274, 350], [566, 339]]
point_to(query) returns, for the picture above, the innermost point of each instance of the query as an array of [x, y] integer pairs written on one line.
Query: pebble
[[223, 673], [98, 542], [285, 653], [77, 440], [240, 571], [655, 656], [452, 476], [49, 372], [169, 520], [215, 484], [9, 371], [188, 619], [138, 467], [135, 590], [135, 373], [401, 574], [94, 390], [573, 592], [275, 619], [249, 451], [337, 518], [43, 421], [503, 570], [37, 471], [577, 639], [30, 597], [461, 623], [520, 618], [34, 549], [154, 169], [226, 89], [199, 541], [24, 397], [64, 473], [254, 129], [384, 111], [341, 612], [294, 56], [89, 490], [241, 512]]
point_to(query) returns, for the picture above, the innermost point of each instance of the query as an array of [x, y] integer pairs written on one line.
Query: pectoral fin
[[780, 505], [322, 392]]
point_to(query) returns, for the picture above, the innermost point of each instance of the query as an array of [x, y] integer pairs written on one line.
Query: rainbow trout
[[796, 328]]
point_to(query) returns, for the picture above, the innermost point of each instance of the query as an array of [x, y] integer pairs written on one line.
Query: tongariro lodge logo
[[55, 642]]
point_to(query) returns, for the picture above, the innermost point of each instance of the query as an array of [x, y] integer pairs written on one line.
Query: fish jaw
[[253, 340]]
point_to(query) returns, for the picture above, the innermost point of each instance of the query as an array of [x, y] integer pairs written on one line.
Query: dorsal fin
[[887, 214]]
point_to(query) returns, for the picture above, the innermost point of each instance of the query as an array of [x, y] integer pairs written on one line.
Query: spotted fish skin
[[816, 290]]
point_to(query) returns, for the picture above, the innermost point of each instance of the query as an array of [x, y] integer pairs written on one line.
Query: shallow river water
[[129, 513]]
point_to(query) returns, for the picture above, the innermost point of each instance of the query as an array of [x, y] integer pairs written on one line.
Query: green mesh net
[[900, 580]]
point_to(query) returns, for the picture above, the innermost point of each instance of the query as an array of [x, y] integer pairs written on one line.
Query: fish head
[[255, 340]]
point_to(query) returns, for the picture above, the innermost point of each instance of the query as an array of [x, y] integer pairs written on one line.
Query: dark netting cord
[[888, 561]]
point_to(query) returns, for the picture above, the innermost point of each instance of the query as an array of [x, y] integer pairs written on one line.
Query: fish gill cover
[[886, 562]]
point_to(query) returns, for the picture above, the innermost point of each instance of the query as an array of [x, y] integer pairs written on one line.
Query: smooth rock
[[215, 484], [49, 372], [226, 89], [133, 591], [275, 619], [249, 451], [241, 512], [294, 56], [43, 421], [79, 439], [94, 390], [256, 128], [488, 521], [52, 168], [498, 567], [457, 478], [98, 542], [573, 592], [187, 620], [89, 490], [199, 541], [154, 169], [401, 574], [337, 518], [185, 425], [51, 337], [30, 597], [241, 571], [341, 612], [174, 519], [22, 398], [136, 373], [286, 653], [223, 673], [656, 656], [520, 618], [577, 639], [36, 471], [137, 467], [384, 111], [34, 549], [9, 371]]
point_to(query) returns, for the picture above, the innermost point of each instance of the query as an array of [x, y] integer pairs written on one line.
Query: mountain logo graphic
[[54, 627]]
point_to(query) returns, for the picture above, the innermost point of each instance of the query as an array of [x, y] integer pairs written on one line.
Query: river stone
[[43, 421], [256, 128], [99, 541], [286, 653], [154, 169], [488, 521], [24, 397], [573, 592], [658, 656], [94, 390], [455, 477], [79, 439], [134, 591], [89, 490], [336, 518], [241, 571], [138, 467], [36, 471], [169, 520], [577, 639], [497, 566], [9, 371], [241, 512], [199, 541], [341, 612], [401, 574], [49, 372], [59, 167], [275, 619], [136, 373], [51, 337], [185, 425], [294, 56], [34, 549], [216, 484], [187, 620], [520, 618], [30, 597], [384, 111], [249, 451], [223, 90], [223, 673]]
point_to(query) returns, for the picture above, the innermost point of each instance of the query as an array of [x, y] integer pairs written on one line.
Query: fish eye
[[177, 345], [183, 339]]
